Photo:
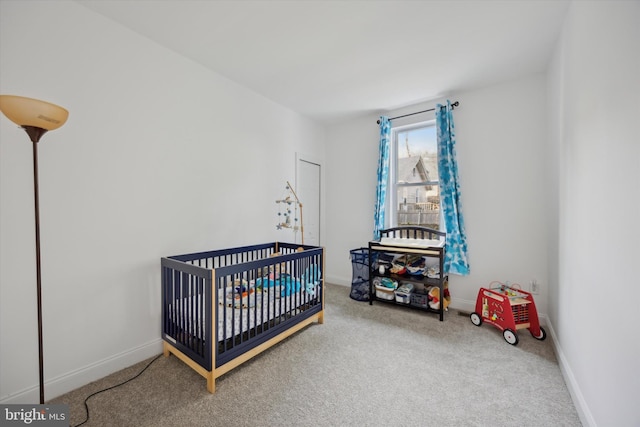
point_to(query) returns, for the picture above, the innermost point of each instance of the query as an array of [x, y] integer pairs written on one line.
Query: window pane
[[419, 206], [417, 187]]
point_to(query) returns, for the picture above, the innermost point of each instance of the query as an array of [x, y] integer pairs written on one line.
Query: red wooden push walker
[[508, 309]]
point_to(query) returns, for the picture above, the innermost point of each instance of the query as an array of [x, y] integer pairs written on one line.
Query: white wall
[[594, 111], [159, 157], [351, 165], [561, 152], [500, 134]]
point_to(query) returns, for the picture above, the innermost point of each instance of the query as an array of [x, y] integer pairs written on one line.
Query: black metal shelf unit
[[391, 246]]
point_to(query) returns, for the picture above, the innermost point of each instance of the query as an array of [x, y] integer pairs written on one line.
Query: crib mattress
[[233, 319]]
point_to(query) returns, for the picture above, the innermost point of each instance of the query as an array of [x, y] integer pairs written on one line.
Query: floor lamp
[[36, 118]]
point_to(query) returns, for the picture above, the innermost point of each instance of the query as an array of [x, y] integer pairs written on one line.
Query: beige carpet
[[377, 365]]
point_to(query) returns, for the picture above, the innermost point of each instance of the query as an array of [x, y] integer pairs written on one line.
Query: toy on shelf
[[509, 309], [434, 298]]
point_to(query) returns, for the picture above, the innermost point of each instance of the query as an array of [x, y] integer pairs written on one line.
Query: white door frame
[[302, 157]]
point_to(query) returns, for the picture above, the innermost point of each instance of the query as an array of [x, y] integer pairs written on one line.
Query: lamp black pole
[[35, 134], [36, 118]]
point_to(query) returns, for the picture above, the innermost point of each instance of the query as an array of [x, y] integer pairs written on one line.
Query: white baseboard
[[70, 381], [586, 418], [338, 281], [462, 305]]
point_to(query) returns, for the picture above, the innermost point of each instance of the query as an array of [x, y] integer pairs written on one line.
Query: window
[[415, 191]]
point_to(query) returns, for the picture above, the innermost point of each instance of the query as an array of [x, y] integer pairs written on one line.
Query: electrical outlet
[[534, 286]]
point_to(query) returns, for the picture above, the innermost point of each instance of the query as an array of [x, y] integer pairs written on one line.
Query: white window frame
[[392, 199]]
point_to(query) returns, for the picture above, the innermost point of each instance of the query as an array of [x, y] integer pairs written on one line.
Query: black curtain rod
[[453, 106]]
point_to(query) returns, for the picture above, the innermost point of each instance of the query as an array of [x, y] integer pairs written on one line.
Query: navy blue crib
[[220, 308]]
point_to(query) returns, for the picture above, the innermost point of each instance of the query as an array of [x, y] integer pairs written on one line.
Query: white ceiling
[[334, 59]]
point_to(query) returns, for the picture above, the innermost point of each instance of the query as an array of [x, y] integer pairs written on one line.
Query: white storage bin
[[383, 292], [403, 293]]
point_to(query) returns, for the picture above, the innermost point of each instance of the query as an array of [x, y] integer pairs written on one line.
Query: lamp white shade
[[33, 112]]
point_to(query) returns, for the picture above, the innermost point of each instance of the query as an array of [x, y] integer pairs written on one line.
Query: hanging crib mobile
[[288, 207]]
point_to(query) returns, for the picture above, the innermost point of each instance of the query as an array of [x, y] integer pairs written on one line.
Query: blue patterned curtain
[[383, 174], [456, 258]]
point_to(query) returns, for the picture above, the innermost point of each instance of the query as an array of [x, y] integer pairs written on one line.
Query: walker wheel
[[476, 319], [542, 336], [510, 337]]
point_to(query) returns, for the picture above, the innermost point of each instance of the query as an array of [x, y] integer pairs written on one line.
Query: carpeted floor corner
[[378, 365]]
